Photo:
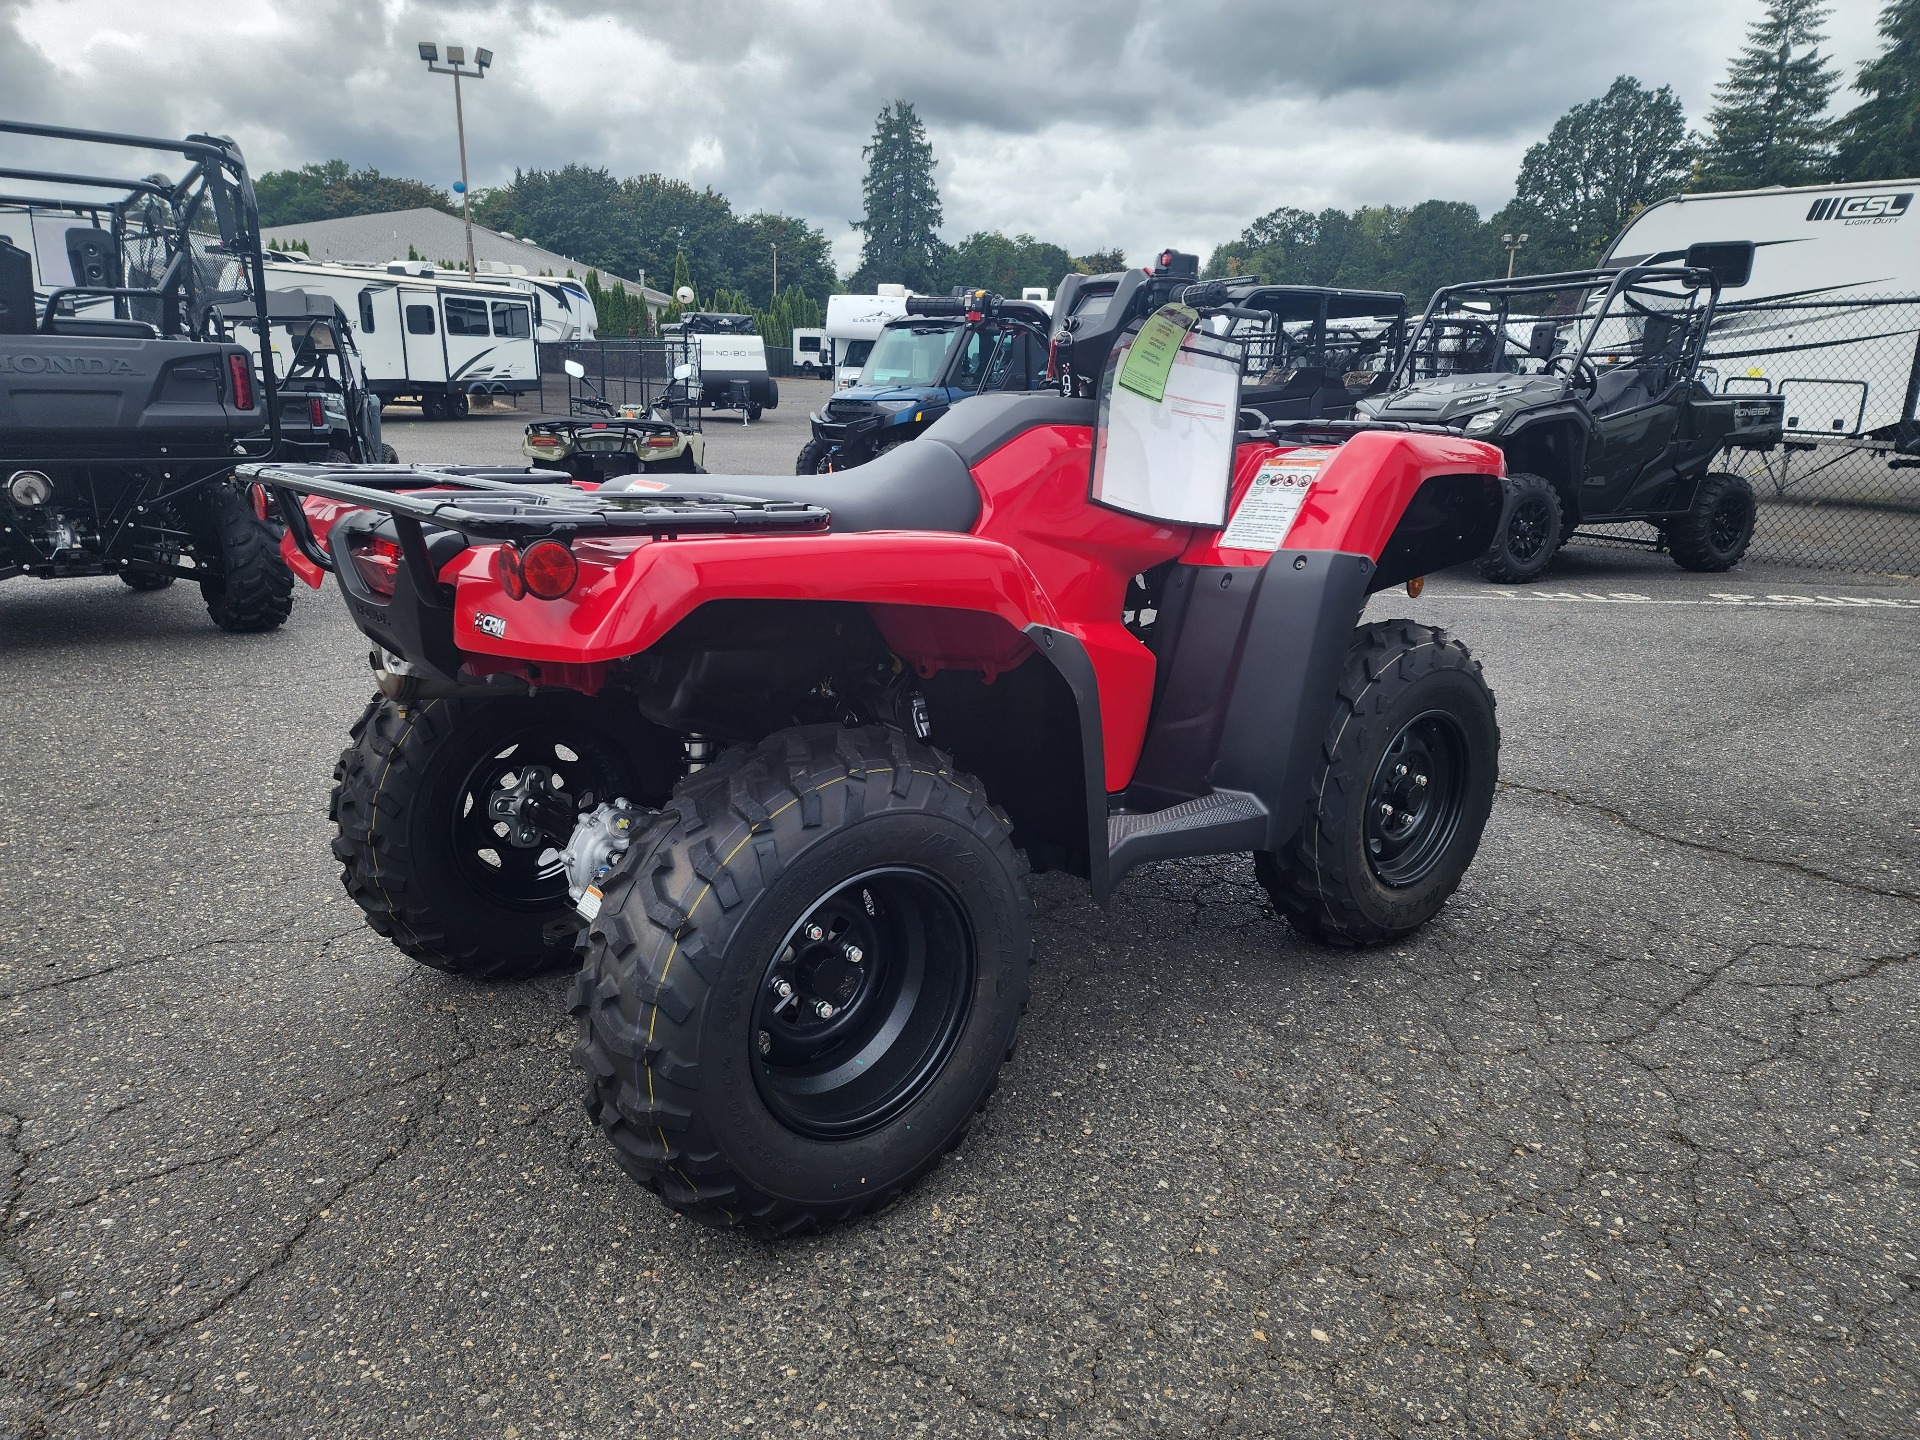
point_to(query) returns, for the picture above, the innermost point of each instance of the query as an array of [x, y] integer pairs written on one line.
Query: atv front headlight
[[1483, 423]]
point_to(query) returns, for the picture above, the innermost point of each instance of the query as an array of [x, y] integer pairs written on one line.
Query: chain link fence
[[1843, 492]]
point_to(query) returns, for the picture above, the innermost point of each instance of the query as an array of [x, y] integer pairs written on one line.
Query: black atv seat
[[925, 484]]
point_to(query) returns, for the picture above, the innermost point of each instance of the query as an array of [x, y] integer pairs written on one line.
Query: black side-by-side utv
[[1590, 383], [123, 409]]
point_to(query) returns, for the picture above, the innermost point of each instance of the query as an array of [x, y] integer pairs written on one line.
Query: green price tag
[[1150, 360]]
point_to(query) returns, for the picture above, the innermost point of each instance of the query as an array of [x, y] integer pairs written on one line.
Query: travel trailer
[[1830, 316], [429, 335]]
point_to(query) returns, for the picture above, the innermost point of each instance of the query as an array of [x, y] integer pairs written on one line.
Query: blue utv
[[944, 350]]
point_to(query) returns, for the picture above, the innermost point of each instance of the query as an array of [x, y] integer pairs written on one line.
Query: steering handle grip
[[935, 305]]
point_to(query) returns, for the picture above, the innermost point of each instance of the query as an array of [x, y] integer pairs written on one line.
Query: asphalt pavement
[[1623, 1144]]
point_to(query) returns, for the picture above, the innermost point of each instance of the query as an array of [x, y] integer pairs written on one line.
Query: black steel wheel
[[804, 979], [862, 1001], [1717, 528], [1529, 533], [448, 814], [1403, 790], [1415, 802]]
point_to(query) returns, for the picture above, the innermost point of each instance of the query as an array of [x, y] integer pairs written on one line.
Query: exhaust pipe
[[402, 684]]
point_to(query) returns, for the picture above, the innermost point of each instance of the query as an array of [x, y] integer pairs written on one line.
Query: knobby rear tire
[[399, 787], [254, 588], [676, 964]]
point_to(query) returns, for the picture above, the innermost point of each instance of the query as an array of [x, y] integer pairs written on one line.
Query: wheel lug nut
[[1401, 771], [1386, 812], [782, 988], [853, 953], [1420, 780], [816, 934], [824, 1010]]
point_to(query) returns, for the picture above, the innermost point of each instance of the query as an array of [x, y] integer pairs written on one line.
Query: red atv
[[787, 753]]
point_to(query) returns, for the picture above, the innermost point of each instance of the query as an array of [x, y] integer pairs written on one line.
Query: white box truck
[[1831, 315], [429, 335]]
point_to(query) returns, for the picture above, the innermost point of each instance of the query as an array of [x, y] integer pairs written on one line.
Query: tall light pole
[[776, 273], [1513, 244], [456, 66]]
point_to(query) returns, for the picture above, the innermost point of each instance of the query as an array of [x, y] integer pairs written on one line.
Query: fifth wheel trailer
[[428, 334], [1830, 317]]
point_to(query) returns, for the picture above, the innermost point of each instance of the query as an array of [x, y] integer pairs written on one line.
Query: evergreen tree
[[902, 223], [1766, 127], [1601, 163], [1880, 137]]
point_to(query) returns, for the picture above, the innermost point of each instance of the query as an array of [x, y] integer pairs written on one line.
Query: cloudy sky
[[1093, 125]]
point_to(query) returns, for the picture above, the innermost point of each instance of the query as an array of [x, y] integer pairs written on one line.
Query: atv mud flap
[[1249, 659]]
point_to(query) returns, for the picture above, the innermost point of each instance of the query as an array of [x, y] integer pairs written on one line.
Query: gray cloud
[[1093, 124]]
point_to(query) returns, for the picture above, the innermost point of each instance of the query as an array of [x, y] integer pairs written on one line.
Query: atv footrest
[[1209, 825]]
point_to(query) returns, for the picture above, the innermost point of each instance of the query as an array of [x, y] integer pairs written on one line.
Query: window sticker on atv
[[1273, 501], [1150, 360]]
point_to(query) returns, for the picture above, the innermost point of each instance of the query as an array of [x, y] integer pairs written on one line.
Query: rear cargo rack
[[523, 505], [1339, 431]]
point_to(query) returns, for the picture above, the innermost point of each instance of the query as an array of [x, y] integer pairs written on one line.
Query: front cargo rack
[[521, 505]]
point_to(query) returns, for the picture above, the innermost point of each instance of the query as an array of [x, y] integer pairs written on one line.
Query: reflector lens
[[506, 569], [544, 442], [549, 569], [377, 559], [240, 368], [661, 442]]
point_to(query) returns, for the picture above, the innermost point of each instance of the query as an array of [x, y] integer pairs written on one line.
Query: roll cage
[[1653, 317]]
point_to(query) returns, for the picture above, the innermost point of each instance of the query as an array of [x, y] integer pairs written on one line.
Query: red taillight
[[258, 495], [662, 442], [506, 569], [544, 442], [317, 413], [549, 569], [377, 559], [241, 369]]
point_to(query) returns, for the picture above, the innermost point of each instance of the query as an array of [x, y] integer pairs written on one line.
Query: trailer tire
[[1531, 532], [404, 790], [432, 408], [1718, 527], [1400, 795], [456, 405], [254, 591], [742, 1105]]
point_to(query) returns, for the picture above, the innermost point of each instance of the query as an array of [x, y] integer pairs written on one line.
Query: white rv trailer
[[812, 353], [854, 322], [428, 334], [562, 309], [1810, 323]]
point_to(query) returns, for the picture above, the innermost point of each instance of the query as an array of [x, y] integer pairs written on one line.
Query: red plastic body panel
[[1359, 495], [1040, 554]]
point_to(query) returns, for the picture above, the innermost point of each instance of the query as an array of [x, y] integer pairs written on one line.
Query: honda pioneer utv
[[778, 756], [946, 350], [1590, 383], [122, 409], [1312, 353]]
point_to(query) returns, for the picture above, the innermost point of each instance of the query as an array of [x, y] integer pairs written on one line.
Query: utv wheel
[[1400, 796], [144, 577], [1529, 534], [812, 459], [681, 464], [421, 850], [253, 590], [1716, 531], [805, 979], [389, 455]]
